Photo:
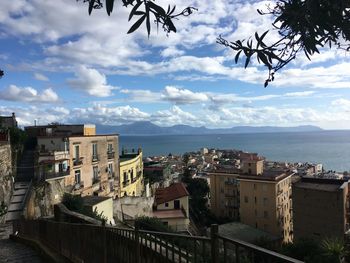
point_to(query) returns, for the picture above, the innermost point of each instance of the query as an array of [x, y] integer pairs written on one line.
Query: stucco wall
[[6, 181]]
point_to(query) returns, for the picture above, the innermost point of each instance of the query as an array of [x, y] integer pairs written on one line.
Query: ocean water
[[331, 148]]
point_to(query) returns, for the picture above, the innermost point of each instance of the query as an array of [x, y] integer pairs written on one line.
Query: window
[[266, 214], [166, 204], [246, 199], [77, 176], [110, 168], [132, 174], [110, 148], [94, 151], [125, 177], [176, 204], [265, 201], [76, 152], [95, 172]]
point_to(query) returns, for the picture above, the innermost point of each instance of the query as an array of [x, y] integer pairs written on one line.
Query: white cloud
[[183, 96], [139, 95], [28, 94], [39, 76], [174, 116], [92, 82], [171, 52]]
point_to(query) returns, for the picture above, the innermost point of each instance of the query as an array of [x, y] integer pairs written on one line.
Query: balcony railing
[[96, 180], [139, 245], [111, 175], [110, 155], [133, 180], [79, 185], [53, 175], [95, 158], [77, 162]]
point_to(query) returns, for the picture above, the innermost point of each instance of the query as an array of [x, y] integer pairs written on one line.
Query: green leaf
[[137, 24], [109, 6]]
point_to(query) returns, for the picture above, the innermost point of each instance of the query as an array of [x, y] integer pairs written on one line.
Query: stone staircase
[[22, 185]]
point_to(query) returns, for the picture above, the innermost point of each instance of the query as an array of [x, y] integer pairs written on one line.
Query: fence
[[91, 243]]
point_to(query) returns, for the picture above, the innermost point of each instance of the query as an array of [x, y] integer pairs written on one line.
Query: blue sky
[[65, 66]]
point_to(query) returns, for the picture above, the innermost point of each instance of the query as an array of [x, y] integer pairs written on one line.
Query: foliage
[[310, 250], [73, 202], [152, 224], [303, 26], [76, 203], [17, 137], [3, 208], [1, 73], [145, 11]]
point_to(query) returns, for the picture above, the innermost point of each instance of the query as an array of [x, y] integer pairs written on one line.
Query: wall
[[266, 205], [135, 188], [106, 208], [133, 206], [224, 195], [85, 143], [319, 213], [6, 179]]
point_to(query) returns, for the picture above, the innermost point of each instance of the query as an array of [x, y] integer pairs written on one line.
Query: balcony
[[111, 175], [96, 180], [53, 155], [125, 183], [133, 180], [77, 162], [95, 158], [110, 155], [78, 185], [55, 175]]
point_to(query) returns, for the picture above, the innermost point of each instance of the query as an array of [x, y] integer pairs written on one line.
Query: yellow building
[[131, 174], [261, 199], [224, 194]]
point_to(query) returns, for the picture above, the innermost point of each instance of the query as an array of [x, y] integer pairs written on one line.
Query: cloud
[[140, 95], [174, 116], [171, 52], [92, 82], [183, 96], [28, 94], [39, 76]]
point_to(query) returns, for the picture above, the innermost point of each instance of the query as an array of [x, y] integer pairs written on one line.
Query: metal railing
[[78, 161], [53, 175], [91, 243], [110, 155]]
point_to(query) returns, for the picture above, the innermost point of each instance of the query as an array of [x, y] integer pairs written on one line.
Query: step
[[20, 192], [13, 207], [10, 216]]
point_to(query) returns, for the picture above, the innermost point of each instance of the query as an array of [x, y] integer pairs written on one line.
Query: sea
[[331, 148]]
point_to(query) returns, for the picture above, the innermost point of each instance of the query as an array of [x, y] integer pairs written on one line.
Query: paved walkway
[[13, 252]]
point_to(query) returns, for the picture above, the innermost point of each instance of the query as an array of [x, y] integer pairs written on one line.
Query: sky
[[62, 65]]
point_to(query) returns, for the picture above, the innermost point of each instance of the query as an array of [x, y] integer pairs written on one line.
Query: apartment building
[[84, 162], [224, 193], [131, 173], [259, 198], [266, 203], [320, 208]]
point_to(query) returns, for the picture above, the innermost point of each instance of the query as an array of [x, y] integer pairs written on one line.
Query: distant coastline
[[331, 148], [148, 128]]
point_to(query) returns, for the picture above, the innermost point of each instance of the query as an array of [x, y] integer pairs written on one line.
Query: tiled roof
[[172, 192]]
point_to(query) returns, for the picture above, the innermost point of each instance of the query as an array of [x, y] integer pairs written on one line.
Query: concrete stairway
[[23, 178]]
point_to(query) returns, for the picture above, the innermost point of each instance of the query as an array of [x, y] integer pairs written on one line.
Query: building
[[224, 193], [320, 208], [101, 205], [84, 162], [8, 121], [131, 173], [171, 206], [258, 198], [266, 203]]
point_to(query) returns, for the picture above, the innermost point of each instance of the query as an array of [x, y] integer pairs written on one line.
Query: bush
[[152, 224], [73, 202]]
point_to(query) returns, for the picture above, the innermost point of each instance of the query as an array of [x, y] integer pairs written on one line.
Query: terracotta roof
[[172, 192]]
